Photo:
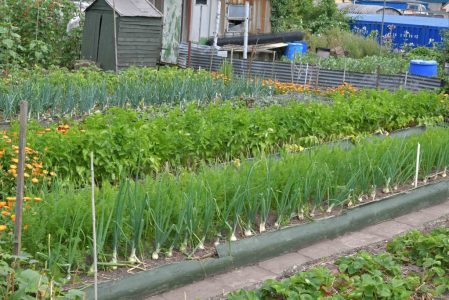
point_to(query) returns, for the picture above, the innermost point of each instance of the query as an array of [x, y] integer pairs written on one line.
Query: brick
[[440, 210], [359, 239], [416, 219], [280, 264], [201, 290], [324, 249], [244, 277], [387, 229]]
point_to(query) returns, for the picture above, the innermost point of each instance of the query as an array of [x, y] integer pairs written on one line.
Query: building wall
[[203, 18], [139, 41]]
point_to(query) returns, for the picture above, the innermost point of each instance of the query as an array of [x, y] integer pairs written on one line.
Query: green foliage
[[188, 209], [367, 64], [26, 282], [34, 33], [127, 142], [311, 16], [59, 92], [355, 45], [429, 252], [368, 276]]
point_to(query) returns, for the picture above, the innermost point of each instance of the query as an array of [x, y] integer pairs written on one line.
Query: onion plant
[[137, 205], [188, 209]]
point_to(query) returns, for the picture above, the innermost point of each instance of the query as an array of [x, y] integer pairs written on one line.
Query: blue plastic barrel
[[427, 68], [297, 48]]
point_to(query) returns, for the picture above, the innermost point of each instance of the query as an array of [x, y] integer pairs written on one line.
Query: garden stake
[[20, 177], [94, 234], [418, 150]]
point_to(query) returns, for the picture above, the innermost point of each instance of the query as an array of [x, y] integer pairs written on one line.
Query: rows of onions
[[160, 216]]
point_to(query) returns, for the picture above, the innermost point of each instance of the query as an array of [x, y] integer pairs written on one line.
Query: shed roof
[[408, 20], [365, 9], [133, 8]]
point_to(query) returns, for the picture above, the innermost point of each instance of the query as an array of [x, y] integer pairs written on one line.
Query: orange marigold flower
[[10, 198], [5, 213], [27, 198], [3, 227], [37, 199], [35, 180], [13, 218]]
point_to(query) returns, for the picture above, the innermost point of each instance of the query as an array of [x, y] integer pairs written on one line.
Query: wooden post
[[378, 77], [20, 177], [189, 53], [94, 231]]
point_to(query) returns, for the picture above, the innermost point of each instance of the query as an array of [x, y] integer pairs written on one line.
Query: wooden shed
[[139, 33]]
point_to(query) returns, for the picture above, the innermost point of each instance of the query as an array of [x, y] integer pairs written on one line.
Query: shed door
[[91, 36], [106, 56]]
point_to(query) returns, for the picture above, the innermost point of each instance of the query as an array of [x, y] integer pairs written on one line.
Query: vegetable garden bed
[[127, 142], [181, 214], [412, 266], [162, 194]]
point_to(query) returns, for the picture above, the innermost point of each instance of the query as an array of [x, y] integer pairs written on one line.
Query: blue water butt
[[297, 48], [427, 68]]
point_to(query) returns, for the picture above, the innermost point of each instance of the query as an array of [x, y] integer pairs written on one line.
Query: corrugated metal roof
[[134, 8], [408, 20], [366, 9]]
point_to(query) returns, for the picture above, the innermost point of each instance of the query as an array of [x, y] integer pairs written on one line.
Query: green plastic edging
[[264, 246], [270, 244], [160, 279]]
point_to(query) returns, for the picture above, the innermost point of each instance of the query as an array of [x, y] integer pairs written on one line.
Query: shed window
[[201, 2], [236, 18]]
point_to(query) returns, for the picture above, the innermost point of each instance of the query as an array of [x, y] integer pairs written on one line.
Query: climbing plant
[[33, 32]]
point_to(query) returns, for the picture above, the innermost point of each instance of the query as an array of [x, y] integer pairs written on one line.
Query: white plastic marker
[[94, 233], [418, 150]]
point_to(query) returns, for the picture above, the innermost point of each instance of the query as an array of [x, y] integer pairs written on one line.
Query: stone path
[[273, 268]]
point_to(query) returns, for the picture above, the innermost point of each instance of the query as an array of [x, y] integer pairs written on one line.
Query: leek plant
[[117, 221], [138, 203], [160, 213], [189, 209]]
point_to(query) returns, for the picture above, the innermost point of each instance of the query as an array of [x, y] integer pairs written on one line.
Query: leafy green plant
[[25, 282], [128, 142], [368, 276]]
